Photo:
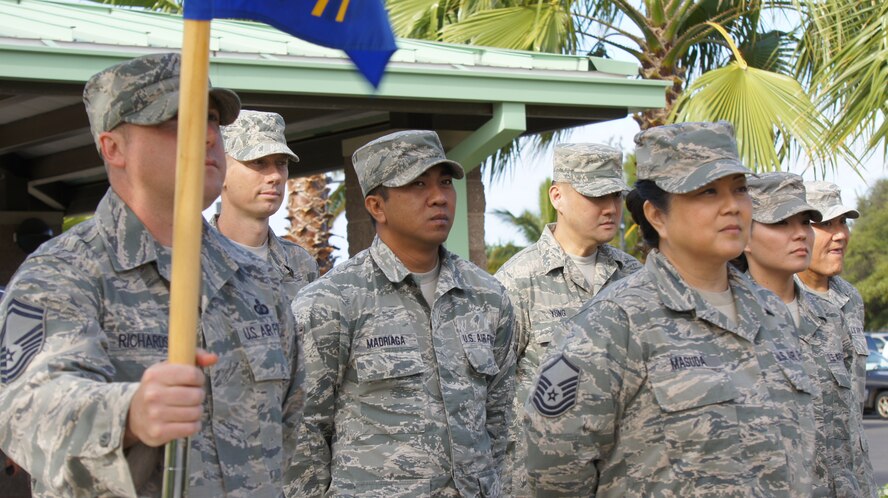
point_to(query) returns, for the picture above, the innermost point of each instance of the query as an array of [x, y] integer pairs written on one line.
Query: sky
[[518, 191]]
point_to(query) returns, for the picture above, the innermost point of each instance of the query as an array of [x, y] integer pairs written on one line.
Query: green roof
[[248, 56]]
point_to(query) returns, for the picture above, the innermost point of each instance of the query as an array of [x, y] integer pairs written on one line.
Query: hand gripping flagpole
[[187, 227]]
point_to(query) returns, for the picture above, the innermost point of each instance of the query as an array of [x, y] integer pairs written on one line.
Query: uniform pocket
[[699, 417], [797, 377], [489, 484], [542, 322], [858, 340], [391, 391], [542, 335], [267, 362], [261, 344], [388, 488], [840, 374], [482, 361], [676, 391], [385, 365], [477, 338], [538, 344]]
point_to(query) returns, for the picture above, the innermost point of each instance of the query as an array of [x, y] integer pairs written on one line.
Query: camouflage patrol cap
[[683, 157], [256, 134], [777, 196], [399, 158], [593, 170], [144, 91], [827, 198]]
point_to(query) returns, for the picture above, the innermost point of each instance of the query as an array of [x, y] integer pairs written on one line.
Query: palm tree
[[844, 54], [530, 224], [498, 254], [311, 210], [311, 218]]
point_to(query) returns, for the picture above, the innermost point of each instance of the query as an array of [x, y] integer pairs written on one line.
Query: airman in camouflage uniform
[[84, 326], [652, 389], [831, 237], [571, 262], [254, 188], [780, 244], [409, 388]]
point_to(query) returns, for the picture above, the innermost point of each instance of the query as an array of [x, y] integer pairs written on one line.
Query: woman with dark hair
[[684, 379], [780, 246]]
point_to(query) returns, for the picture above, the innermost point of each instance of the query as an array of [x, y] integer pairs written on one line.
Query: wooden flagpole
[[185, 283]]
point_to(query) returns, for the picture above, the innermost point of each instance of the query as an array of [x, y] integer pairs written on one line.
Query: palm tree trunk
[[654, 67], [310, 219], [475, 206]]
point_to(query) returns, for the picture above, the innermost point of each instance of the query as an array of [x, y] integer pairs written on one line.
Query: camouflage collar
[[551, 252], [554, 257], [131, 245], [395, 271], [812, 312], [838, 292], [841, 290], [276, 252], [676, 295]]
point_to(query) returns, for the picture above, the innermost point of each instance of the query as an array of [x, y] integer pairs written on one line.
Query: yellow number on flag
[[322, 5]]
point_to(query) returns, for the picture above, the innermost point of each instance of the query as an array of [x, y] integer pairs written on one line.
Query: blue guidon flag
[[358, 27], [556, 389], [20, 340]]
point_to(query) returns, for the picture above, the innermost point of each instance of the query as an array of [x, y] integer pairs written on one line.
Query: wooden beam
[[284, 101], [67, 165], [43, 128]]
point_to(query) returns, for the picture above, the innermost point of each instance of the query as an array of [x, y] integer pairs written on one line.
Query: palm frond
[[414, 18], [548, 214], [544, 27], [522, 150], [336, 202], [168, 6], [843, 53], [770, 51], [855, 83], [499, 254], [529, 224], [766, 108]]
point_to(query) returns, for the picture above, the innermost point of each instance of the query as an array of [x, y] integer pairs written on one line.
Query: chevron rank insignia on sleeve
[[20, 339], [556, 388]]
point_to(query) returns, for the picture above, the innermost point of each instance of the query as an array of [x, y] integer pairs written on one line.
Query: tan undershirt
[[722, 301], [586, 265]]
